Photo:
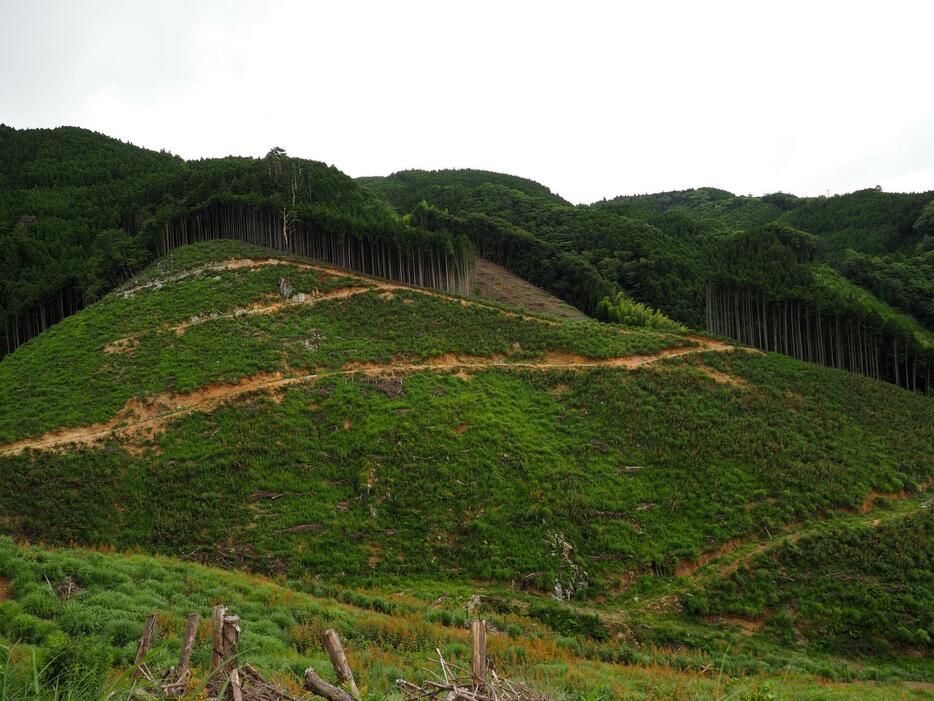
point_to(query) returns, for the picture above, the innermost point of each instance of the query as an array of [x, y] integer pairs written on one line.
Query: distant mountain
[[81, 212], [447, 188]]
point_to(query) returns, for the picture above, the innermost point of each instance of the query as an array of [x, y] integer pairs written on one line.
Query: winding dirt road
[[146, 417]]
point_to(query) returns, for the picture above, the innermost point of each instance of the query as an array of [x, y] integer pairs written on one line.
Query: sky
[[592, 99]]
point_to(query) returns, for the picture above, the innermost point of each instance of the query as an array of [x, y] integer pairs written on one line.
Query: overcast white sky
[[592, 99]]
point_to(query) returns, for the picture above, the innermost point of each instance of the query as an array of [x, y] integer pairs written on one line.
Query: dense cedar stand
[[425, 266], [809, 333]]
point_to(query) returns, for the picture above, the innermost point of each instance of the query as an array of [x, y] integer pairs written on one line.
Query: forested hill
[[448, 188], [80, 212], [847, 281], [867, 221], [862, 262]]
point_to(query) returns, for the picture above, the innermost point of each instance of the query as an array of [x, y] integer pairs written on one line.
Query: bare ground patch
[[721, 377], [688, 567], [495, 283], [748, 626]]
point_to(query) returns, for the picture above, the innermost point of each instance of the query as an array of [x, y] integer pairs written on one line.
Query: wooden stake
[[478, 662], [235, 689], [217, 640], [332, 644], [144, 643], [187, 643], [231, 641]]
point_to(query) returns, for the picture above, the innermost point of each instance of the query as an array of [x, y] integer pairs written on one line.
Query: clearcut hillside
[[621, 496], [226, 373]]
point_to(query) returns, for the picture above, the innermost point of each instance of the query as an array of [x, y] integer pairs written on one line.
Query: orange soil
[[688, 567], [720, 377], [870, 501]]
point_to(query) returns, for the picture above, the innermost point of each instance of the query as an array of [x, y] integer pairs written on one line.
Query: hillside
[[496, 284], [867, 221], [252, 409], [854, 269], [447, 188], [67, 616], [81, 212]]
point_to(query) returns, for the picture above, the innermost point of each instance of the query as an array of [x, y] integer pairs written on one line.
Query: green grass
[[508, 459], [82, 646], [860, 588], [514, 481]]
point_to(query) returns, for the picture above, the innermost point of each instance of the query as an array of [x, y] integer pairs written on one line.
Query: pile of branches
[[226, 681], [457, 684], [249, 686]]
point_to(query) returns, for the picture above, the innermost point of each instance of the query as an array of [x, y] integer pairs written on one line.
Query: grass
[[333, 477], [67, 377], [82, 646], [599, 484], [861, 588]]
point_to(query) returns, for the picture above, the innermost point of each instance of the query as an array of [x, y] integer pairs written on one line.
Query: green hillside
[[851, 587], [251, 409], [70, 618], [879, 240], [868, 221], [81, 212], [860, 260], [258, 381]]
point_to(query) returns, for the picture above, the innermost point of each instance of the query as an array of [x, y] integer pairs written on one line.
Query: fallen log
[[319, 687]]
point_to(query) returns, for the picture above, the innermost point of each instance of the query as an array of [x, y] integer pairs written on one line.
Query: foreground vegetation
[[69, 621]]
